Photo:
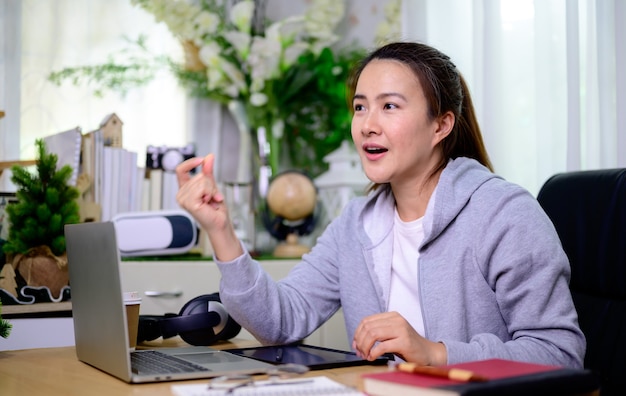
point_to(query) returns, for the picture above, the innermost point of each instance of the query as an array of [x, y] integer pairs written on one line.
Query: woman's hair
[[445, 90]]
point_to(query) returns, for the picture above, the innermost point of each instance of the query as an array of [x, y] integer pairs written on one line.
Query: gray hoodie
[[493, 275]]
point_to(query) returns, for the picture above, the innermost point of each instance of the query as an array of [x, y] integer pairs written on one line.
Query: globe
[[292, 199], [292, 196]]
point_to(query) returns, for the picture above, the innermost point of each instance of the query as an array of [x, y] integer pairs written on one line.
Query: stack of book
[[117, 180], [484, 377], [111, 181]]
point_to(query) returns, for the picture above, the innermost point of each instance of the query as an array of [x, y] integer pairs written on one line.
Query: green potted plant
[[45, 203]]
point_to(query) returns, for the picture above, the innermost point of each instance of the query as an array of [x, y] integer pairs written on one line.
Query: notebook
[[100, 329]]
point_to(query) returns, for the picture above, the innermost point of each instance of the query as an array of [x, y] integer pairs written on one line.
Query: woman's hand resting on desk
[[389, 332], [198, 194]]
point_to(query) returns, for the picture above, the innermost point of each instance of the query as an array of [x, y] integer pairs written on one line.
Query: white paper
[[312, 386]]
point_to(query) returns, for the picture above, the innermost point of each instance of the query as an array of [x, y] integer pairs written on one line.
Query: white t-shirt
[[404, 296]]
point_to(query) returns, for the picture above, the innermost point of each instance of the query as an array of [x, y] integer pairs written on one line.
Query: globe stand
[[290, 248]]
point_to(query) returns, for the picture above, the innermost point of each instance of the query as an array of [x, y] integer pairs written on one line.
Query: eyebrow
[[383, 95]]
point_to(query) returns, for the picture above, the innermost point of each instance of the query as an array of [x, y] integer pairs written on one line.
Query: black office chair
[[588, 209]]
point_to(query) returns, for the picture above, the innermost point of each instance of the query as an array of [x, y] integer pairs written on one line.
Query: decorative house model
[[343, 181], [111, 127]]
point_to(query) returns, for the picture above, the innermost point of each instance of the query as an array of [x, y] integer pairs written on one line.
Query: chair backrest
[[588, 209]]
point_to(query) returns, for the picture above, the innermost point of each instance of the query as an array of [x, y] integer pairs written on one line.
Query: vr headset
[[202, 321], [155, 233]]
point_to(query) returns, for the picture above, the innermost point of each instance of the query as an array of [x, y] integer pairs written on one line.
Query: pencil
[[452, 373]]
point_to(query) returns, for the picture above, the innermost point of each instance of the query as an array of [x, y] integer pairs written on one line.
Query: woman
[[443, 262]]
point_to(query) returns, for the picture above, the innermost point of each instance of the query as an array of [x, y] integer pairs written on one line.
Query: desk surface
[[57, 371]]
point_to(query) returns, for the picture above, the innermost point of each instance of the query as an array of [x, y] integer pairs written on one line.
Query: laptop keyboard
[[154, 362]]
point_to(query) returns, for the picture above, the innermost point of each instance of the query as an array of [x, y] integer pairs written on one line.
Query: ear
[[445, 123]]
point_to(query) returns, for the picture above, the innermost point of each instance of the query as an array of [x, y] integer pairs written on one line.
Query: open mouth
[[375, 150]]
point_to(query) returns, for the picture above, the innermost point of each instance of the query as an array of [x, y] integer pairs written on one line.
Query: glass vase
[[259, 147], [258, 162]]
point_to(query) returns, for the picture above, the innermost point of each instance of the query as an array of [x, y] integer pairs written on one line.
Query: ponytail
[[466, 140]]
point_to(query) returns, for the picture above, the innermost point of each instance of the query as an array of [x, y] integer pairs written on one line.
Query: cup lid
[[132, 296]]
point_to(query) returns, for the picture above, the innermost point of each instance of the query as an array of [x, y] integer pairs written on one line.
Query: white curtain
[[75, 33], [9, 85], [547, 78]]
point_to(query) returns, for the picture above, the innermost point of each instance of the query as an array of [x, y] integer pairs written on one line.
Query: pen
[[279, 354], [451, 373]]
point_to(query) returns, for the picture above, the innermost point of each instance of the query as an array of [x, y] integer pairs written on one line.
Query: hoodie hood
[[459, 180]]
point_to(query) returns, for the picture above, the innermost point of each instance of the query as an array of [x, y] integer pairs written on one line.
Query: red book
[[503, 377]]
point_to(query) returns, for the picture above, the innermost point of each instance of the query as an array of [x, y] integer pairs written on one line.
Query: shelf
[[37, 308], [8, 164]]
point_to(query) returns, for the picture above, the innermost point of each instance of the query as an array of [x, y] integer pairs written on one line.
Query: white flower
[[323, 17], [241, 15], [209, 53], [258, 99], [389, 29], [177, 18], [292, 53], [206, 23], [286, 31], [263, 61], [235, 75], [240, 41], [278, 128]]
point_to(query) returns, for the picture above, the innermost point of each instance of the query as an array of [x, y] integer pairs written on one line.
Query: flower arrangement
[[285, 75], [234, 58], [389, 29], [228, 43]]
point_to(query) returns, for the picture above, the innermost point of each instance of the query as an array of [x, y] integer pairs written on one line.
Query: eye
[[358, 107], [390, 106]]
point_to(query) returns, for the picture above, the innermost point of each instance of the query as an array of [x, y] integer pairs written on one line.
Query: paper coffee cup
[[132, 301]]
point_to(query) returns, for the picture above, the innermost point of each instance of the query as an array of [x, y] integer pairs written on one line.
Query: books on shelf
[[91, 164], [156, 187], [170, 189], [120, 187], [501, 377], [161, 190], [118, 183], [126, 187], [67, 146]]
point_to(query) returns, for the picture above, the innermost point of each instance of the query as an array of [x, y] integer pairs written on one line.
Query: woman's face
[[395, 138]]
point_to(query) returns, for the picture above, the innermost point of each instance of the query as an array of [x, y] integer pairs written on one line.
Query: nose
[[371, 125]]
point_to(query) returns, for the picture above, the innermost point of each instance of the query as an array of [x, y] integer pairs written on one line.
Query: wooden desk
[[57, 371]]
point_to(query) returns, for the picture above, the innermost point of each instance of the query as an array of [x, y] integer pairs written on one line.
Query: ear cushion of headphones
[[209, 321], [150, 327], [202, 321]]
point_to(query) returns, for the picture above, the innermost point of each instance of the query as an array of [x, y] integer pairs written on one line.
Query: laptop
[[100, 329]]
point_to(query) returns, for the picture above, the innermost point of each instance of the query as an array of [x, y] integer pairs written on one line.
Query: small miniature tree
[[5, 327], [45, 203]]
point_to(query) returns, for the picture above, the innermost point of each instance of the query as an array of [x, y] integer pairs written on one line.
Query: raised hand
[[199, 195]]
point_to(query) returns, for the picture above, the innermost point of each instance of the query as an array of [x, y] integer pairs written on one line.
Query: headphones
[[202, 321]]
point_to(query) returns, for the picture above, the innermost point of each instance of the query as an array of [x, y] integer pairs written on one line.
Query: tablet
[[314, 357]]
